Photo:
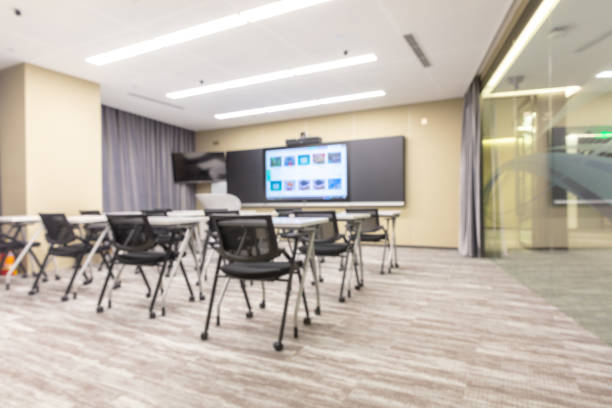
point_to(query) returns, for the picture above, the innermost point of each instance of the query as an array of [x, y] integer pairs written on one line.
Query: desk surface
[[352, 216], [297, 222]]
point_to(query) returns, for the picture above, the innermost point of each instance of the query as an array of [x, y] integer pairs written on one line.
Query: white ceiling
[[60, 34]]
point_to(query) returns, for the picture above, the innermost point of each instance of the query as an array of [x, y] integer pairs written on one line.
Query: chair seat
[[166, 238], [372, 237], [257, 270], [330, 249], [143, 258], [69, 250]]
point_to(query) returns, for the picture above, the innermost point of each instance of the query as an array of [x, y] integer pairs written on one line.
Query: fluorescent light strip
[[604, 74], [253, 15], [273, 76], [300, 105], [534, 24], [567, 90]]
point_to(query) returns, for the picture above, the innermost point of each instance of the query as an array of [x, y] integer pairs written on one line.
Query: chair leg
[[246, 298], [320, 269], [191, 297], [56, 264], [220, 302], [2, 257], [278, 346], [204, 334], [341, 299], [262, 305], [100, 308], [35, 287], [146, 281], [77, 266], [159, 280], [315, 273]]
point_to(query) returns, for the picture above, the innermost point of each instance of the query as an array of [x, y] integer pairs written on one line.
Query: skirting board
[[303, 204]]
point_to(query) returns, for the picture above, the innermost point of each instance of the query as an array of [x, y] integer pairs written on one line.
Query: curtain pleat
[[137, 169], [470, 218]]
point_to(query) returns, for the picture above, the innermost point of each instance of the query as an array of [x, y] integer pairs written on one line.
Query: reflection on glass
[[547, 164]]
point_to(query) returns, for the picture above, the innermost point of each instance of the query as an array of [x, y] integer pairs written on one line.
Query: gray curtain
[[137, 173], [470, 218]]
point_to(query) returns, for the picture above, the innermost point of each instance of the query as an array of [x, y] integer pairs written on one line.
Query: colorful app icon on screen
[[276, 185], [334, 158], [319, 184], [289, 185], [276, 161], [304, 184], [318, 158], [304, 160], [334, 184], [290, 161]]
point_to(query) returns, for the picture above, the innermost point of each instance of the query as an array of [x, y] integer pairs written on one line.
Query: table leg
[[22, 255], [309, 252], [394, 243], [90, 255], [182, 249], [358, 244]]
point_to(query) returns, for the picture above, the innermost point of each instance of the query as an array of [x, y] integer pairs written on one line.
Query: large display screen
[[317, 172]]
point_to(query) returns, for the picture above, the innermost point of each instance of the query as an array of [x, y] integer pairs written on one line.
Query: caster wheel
[[357, 287], [204, 336], [262, 305], [307, 321], [278, 346], [87, 281], [163, 311], [148, 295], [397, 265], [318, 311], [65, 298], [57, 277], [295, 332], [117, 285], [341, 299], [74, 295], [8, 286], [151, 315], [202, 297], [218, 321], [45, 279], [249, 315], [110, 305], [321, 280], [100, 309], [349, 293], [313, 283], [191, 299]]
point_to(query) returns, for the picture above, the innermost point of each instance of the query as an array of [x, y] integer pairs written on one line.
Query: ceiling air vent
[[412, 42], [157, 101]]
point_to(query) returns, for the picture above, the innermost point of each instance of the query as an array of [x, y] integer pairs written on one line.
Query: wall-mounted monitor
[[308, 173], [197, 167]]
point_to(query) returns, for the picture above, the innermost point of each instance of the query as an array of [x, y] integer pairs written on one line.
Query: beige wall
[[63, 142], [12, 141], [430, 216]]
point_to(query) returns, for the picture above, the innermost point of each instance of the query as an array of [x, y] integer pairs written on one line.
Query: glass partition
[[547, 162]]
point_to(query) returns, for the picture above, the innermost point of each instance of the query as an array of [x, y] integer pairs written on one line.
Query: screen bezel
[[316, 200]]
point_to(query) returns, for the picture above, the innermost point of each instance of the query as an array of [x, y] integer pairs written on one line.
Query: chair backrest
[[219, 201], [285, 212], [59, 230], [89, 212], [212, 212], [369, 224], [156, 211], [327, 232], [246, 239], [131, 232]]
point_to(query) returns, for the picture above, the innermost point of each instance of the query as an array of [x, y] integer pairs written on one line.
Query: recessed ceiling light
[[567, 90], [604, 74], [533, 25], [273, 76], [300, 105], [253, 15]]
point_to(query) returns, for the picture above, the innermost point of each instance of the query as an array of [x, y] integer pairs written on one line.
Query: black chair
[[210, 241], [247, 250], [62, 243], [134, 239], [329, 242], [372, 231]]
